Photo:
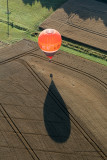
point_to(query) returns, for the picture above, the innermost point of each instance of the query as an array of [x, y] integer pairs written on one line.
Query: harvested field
[[84, 21], [51, 110]]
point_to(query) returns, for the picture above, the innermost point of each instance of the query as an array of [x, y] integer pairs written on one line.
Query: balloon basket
[[49, 60]]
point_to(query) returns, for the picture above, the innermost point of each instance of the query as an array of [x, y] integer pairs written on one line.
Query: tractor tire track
[[60, 105]]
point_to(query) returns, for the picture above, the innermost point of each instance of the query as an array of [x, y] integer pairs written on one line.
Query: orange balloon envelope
[[49, 41]]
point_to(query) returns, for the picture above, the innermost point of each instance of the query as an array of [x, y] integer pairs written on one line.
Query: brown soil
[[82, 21], [59, 118]]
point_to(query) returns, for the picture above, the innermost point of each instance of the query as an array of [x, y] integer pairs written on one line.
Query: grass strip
[[83, 55]]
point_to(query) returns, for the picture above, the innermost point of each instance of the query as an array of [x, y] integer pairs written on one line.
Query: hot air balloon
[[49, 41]]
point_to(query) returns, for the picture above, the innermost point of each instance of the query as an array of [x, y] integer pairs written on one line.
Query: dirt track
[[81, 20], [59, 118]]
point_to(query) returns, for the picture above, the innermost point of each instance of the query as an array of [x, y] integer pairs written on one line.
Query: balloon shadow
[[56, 117]]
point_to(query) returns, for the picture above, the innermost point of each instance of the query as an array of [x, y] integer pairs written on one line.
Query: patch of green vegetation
[[24, 19], [24, 15], [81, 51], [83, 55], [28, 13], [13, 36], [85, 49]]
